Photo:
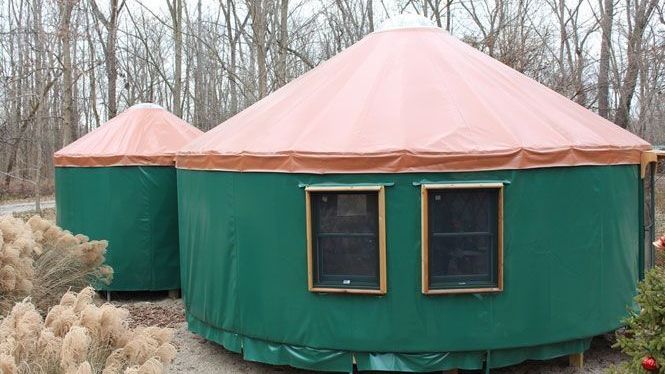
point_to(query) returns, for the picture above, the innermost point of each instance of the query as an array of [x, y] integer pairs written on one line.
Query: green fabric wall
[[571, 243], [135, 209]]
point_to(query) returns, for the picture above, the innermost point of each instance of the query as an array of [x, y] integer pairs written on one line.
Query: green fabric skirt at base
[[342, 361], [571, 259], [135, 209]]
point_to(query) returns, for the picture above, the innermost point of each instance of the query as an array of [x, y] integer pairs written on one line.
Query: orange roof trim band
[[118, 160], [406, 162], [410, 100], [145, 134]]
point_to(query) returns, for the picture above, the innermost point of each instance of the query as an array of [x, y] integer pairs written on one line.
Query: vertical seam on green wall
[[180, 254], [58, 219], [640, 207], [236, 229], [152, 237], [603, 240], [652, 212], [601, 268]]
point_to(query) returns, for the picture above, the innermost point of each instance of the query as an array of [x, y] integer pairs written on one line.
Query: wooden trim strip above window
[[326, 185], [461, 185], [342, 188], [464, 182]]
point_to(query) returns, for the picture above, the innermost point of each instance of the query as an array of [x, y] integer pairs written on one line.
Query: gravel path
[[24, 206], [197, 355]]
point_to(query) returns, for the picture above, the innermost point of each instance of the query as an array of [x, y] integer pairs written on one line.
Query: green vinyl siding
[[571, 248], [135, 209]]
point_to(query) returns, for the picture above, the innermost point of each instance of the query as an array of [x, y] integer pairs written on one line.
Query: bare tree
[[639, 13], [281, 76], [175, 8], [606, 21], [258, 10], [40, 83], [69, 127], [111, 25], [207, 61]]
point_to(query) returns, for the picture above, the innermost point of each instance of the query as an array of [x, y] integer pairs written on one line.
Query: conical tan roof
[[411, 100], [145, 134]]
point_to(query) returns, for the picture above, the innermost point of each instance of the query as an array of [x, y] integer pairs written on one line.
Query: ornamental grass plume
[[79, 337], [660, 242], [16, 261], [53, 330], [43, 261], [75, 347]]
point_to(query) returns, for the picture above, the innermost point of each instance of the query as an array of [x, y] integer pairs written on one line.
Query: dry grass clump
[[46, 213], [39, 259], [79, 337], [16, 258], [41, 263]]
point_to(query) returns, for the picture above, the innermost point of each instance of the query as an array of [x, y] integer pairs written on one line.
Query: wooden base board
[[138, 295], [576, 360]]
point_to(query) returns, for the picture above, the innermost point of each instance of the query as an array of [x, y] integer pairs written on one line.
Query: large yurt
[[118, 183], [410, 205]]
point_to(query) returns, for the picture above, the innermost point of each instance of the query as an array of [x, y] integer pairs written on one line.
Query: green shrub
[[644, 335]]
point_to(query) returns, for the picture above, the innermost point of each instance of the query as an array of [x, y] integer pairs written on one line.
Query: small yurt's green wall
[[571, 253], [135, 209]]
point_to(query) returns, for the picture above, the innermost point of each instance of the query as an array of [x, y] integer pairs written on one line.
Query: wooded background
[[67, 66]]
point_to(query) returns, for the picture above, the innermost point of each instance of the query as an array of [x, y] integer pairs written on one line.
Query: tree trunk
[[199, 98], [448, 4], [111, 25], [233, 40], [604, 62], [283, 43], [175, 8], [111, 60], [17, 107], [257, 10], [40, 85], [69, 127], [93, 78], [370, 15], [643, 12]]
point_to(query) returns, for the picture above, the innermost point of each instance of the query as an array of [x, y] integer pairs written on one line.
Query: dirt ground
[[48, 213], [196, 355]]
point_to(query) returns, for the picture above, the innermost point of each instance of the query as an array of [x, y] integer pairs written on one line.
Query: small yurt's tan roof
[[145, 134], [411, 100]]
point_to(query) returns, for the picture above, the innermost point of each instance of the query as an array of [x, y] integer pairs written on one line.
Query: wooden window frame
[[424, 194], [381, 234]]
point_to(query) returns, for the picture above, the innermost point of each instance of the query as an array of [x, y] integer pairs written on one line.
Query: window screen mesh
[[463, 237], [345, 242]]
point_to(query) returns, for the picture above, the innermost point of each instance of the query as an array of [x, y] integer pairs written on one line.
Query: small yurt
[[118, 183], [410, 205]]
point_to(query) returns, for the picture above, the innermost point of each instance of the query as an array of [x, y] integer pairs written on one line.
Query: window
[[346, 250], [462, 238]]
